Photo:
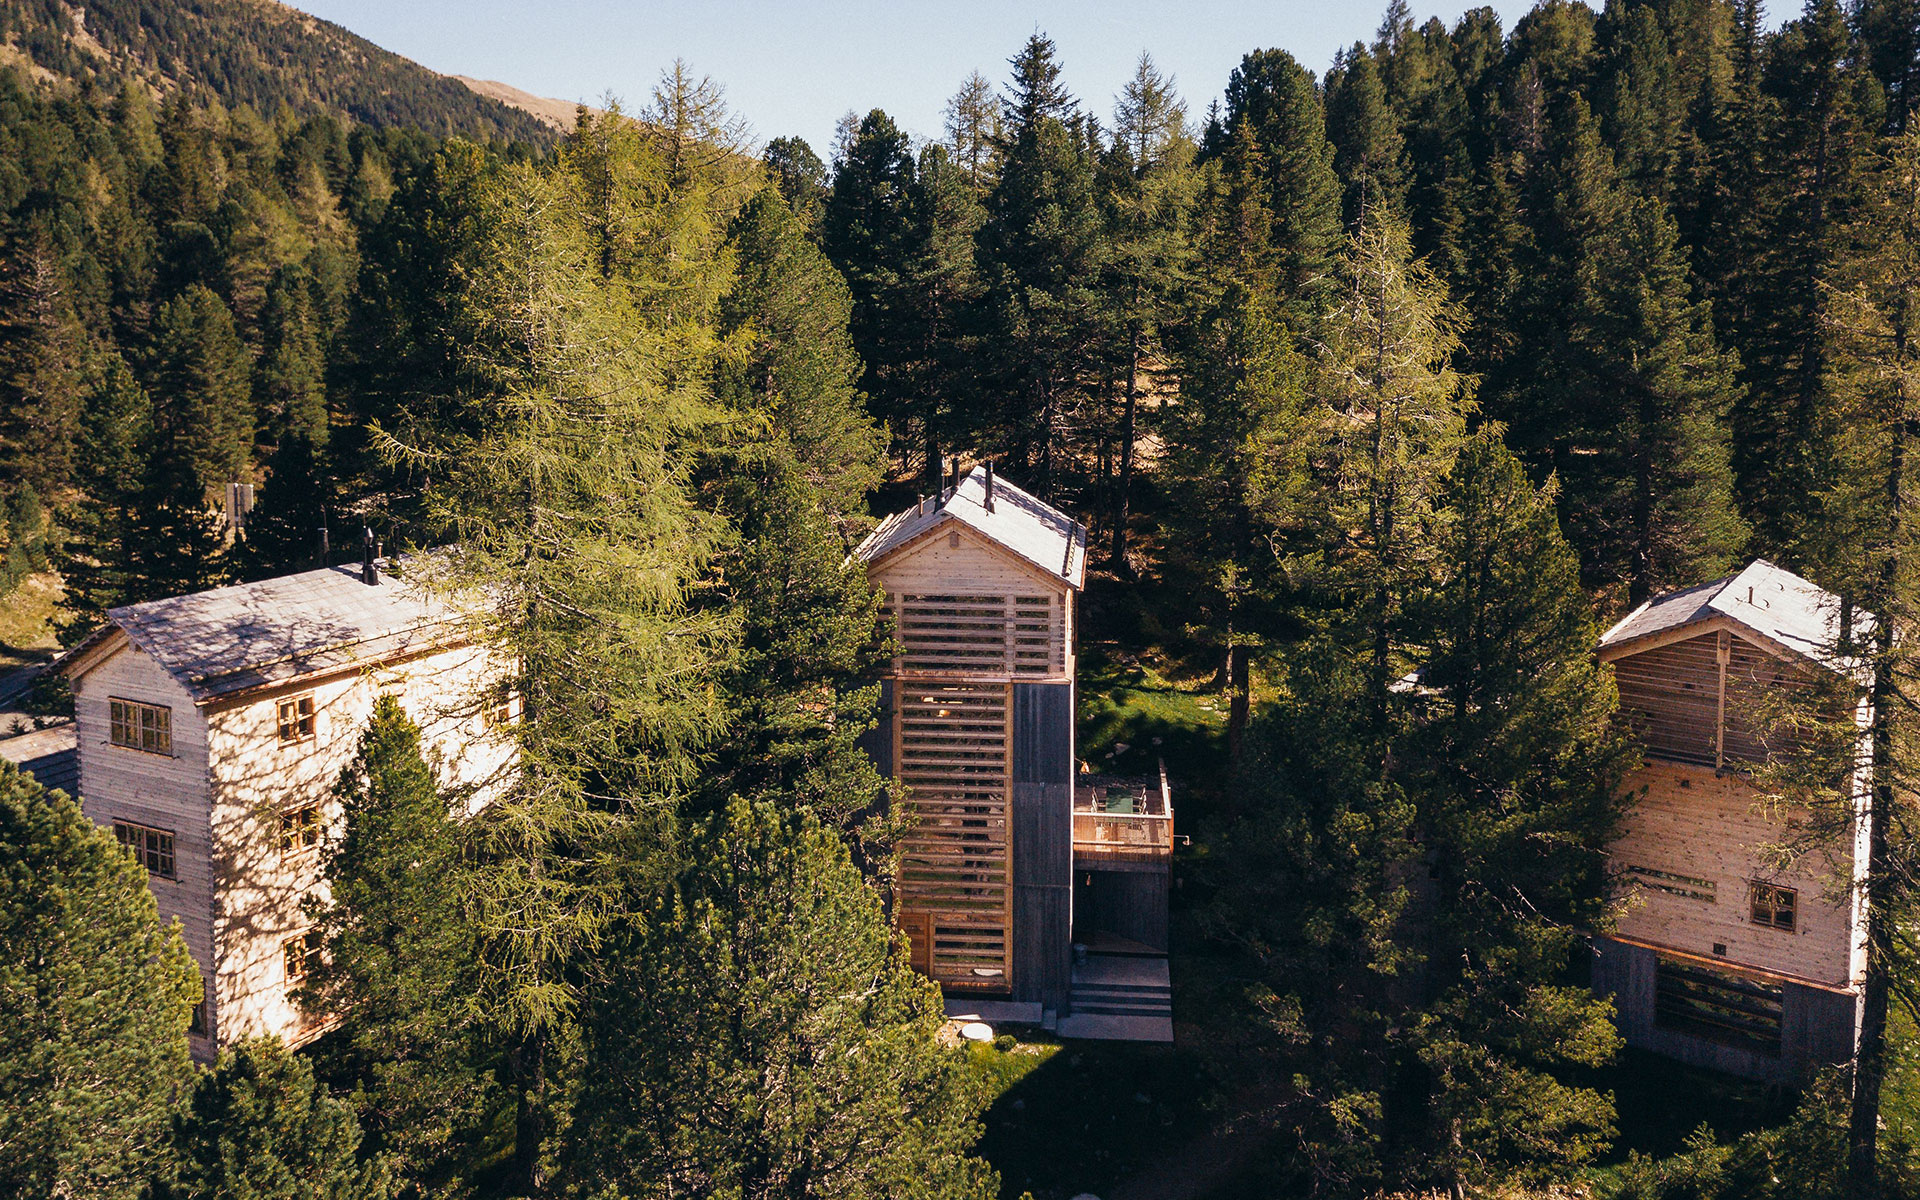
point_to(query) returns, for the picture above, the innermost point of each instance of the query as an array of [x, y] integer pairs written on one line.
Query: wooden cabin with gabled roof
[[978, 726], [211, 728], [1719, 957]]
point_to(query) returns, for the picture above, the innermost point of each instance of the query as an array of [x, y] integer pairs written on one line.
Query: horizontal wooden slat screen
[[953, 754], [1760, 697], [955, 634], [1671, 697]]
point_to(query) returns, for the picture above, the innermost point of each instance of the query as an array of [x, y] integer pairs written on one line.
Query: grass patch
[[1002, 1069], [26, 621], [1131, 716]]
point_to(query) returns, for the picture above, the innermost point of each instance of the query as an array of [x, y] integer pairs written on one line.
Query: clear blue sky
[[794, 67]]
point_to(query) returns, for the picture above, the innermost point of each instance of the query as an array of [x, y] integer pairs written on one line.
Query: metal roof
[[251, 635], [1031, 528], [1771, 601], [50, 755]]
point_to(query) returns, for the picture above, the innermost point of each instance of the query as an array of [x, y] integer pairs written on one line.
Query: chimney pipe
[[369, 574], [989, 485], [954, 489]]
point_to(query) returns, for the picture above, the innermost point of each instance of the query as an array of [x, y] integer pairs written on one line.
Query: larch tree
[[973, 131], [1393, 415], [1148, 193], [96, 995]]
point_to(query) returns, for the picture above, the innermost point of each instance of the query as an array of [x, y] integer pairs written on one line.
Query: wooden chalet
[[211, 728], [1720, 958]]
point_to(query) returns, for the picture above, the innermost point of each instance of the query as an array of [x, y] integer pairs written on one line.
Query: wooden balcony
[[1122, 821]]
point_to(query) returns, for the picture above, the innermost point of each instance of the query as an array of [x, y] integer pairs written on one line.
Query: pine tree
[[813, 637], [1657, 505], [1275, 130], [942, 289], [257, 1127], [866, 230], [96, 995], [1365, 132], [800, 371], [1516, 773], [290, 383], [199, 381], [1041, 251], [1239, 513], [41, 369], [398, 968], [800, 177], [770, 959]]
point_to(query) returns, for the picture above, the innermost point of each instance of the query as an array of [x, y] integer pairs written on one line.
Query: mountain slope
[[560, 114], [254, 52]]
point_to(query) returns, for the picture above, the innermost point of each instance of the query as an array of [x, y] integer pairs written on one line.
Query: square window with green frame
[[1773, 906], [137, 726]]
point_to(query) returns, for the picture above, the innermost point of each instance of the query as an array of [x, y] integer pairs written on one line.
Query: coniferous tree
[[202, 402], [290, 374], [941, 287], [1041, 251], [1395, 416], [1365, 132], [866, 230], [41, 369], [398, 966], [800, 176], [770, 959], [96, 995], [1515, 772], [800, 370], [258, 1127], [812, 638], [973, 131], [1275, 132], [1148, 195]]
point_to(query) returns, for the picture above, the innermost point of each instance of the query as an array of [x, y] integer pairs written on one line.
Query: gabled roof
[[1031, 528], [1772, 602], [252, 635], [50, 755]]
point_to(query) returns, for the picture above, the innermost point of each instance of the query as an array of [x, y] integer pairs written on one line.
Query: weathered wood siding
[[166, 792], [1687, 823], [256, 778]]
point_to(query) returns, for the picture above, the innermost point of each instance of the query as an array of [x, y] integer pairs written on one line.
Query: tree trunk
[[1124, 485], [1882, 915], [528, 1061], [1239, 697]]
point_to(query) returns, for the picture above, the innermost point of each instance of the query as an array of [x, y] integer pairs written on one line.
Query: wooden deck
[[1122, 820]]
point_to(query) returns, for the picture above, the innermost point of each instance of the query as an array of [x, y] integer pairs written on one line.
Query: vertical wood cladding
[[1043, 841]]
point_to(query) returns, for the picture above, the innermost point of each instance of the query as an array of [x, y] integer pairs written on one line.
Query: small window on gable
[[498, 713], [153, 847], [138, 726], [1773, 906], [302, 953], [296, 719], [299, 829]]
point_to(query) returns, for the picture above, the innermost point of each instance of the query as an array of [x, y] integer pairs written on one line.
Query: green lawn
[[26, 621]]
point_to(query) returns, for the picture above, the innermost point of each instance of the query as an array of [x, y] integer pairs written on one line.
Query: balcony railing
[[1119, 820]]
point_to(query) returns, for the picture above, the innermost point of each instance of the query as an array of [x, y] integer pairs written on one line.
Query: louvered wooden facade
[[978, 733]]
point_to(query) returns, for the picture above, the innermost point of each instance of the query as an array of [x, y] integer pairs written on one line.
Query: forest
[[1425, 368]]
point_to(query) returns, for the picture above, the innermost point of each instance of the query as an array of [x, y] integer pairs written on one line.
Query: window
[[197, 1019], [138, 726], [153, 847], [302, 953], [1690, 887], [1721, 1006], [498, 713], [296, 719], [1772, 906], [300, 829]]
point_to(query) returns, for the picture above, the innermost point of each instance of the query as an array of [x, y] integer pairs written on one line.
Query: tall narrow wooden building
[[1721, 956], [978, 727]]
